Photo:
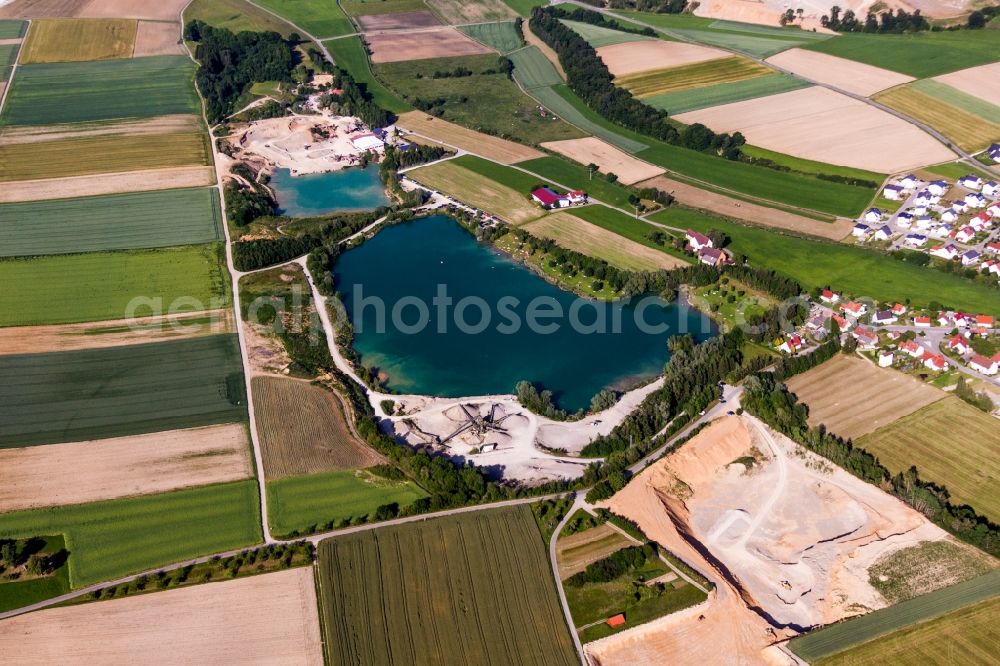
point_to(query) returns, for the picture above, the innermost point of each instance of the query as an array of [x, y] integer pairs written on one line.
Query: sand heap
[[302, 144]]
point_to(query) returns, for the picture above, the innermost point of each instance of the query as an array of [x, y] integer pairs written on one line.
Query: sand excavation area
[[421, 45], [643, 56], [450, 134], [854, 77], [979, 82], [786, 537], [609, 159], [819, 124], [79, 472], [269, 618]]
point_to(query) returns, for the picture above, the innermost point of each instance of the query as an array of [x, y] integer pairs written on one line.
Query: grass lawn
[[715, 299], [299, 503], [107, 540], [321, 18], [539, 262], [17, 594], [485, 102], [921, 439], [919, 55], [236, 15], [74, 288], [578, 177], [955, 170], [349, 54], [114, 222], [72, 40], [855, 270], [101, 90], [502, 36], [115, 391]]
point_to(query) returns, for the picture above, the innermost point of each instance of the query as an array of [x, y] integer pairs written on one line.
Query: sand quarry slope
[[787, 542], [265, 619]]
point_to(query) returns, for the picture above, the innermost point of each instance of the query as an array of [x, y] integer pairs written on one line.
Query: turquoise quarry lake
[[409, 264], [320, 193]]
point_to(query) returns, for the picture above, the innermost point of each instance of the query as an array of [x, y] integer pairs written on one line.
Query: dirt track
[[265, 619], [107, 183]]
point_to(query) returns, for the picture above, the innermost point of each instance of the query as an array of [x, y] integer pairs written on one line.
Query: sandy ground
[[397, 21], [406, 46], [981, 82], [629, 169], [107, 183], [79, 472], [490, 147], [158, 38], [647, 55], [70, 337], [854, 397], [854, 77], [720, 204], [534, 40], [787, 542], [768, 12], [265, 619], [176, 123], [822, 125]]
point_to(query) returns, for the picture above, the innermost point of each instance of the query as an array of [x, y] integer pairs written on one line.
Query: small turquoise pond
[[321, 193], [407, 265]]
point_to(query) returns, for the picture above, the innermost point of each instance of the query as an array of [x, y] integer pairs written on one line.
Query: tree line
[[888, 21]]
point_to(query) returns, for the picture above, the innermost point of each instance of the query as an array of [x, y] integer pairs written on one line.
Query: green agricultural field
[[109, 153], [494, 599], [533, 69], [598, 36], [349, 54], [320, 18], [8, 54], [812, 167], [916, 615], [523, 7], [111, 539], [486, 102], [298, 503], [486, 192], [12, 29], [577, 177], [921, 439], [17, 594], [74, 288], [623, 225], [515, 179], [561, 101], [115, 222], [117, 391], [971, 123], [815, 263], [237, 16], [456, 12], [697, 75], [920, 55], [369, 7], [501, 36], [102, 90], [725, 93]]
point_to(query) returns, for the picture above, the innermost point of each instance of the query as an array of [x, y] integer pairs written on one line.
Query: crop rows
[[697, 75], [500, 36], [533, 69], [969, 129]]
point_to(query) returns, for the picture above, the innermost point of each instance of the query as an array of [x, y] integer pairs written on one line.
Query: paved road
[[578, 503]]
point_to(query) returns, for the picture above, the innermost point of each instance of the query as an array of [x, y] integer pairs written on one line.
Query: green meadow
[[533, 69], [724, 93], [501, 36], [349, 54], [577, 177], [598, 36], [320, 18]]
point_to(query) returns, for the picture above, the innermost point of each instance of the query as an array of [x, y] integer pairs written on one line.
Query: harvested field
[[113, 538], [976, 81], [131, 390], [107, 183], [116, 222], [533, 70], [158, 38], [397, 21], [575, 552], [852, 396], [598, 36], [166, 10], [928, 566], [38, 9], [609, 159], [720, 204], [698, 75], [574, 233], [81, 156], [821, 125], [73, 40], [968, 122], [378, 577], [406, 46], [491, 147], [173, 124], [502, 36], [358, 8], [924, 439], [643, 56], [303, 430], [854, 77], [480, 11], [102, 90], [479, 191], [221, 622], [97, 335], [79, 472]]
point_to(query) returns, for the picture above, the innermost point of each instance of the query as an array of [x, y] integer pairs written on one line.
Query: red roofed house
[[842, 323], [984, 320], [912, 348], [922, 322], [854, 309], [792, 344], [993, 247], [577, 197], [828, 296], [987, 366], [958, 344], [548, 198], [935, 362], [898, 309], [697, 241], [711, 256], [865, 337], [616, 620]]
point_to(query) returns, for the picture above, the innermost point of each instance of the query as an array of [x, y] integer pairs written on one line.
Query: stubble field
[[971, 123], [481, 11], [43, 189], [71, 40], [609, 159], [494, 148], [855, 77], [407, 46], [480, 191]]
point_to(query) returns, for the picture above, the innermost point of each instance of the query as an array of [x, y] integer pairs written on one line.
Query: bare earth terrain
[[490, 147], [265, 619], [608, 158], [854, 397], [397, 21], [158, 38], [107, 183], [643, 56], [822, 125], [979, 81], [406, 46], [854, 77], [80, 472], [162, 10]]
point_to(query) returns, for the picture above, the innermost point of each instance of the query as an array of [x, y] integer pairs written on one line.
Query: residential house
[[696, 240], [867, 339], [994, 209], [935, 362], [898, 309], [893, 192], [944, 318], [854, 309], [883, 233], [971, 257], [919, 210], [577, 197], [965, 234], [860, 230], [958, 344], [963, 320], [924, 223], [885, 358], [884, 317], [971, 182], [828, 296], [916, 240], [987, 366], [949, 215], [937, 187], [911, 348], [984, 320], [981, 221], [922, 322], [904, 220], [975, 200], [941, 231], [842, 323], [947, 252], [923, 198], [711, 256], [994, 152], [873, 216], [817, 323], [991, 189], [792, 344], [908, 181], [993, 247]]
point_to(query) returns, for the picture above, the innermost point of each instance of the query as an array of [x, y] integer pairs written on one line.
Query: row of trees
[[656, 6], [885, 22], [614, 565], [590, 79]]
